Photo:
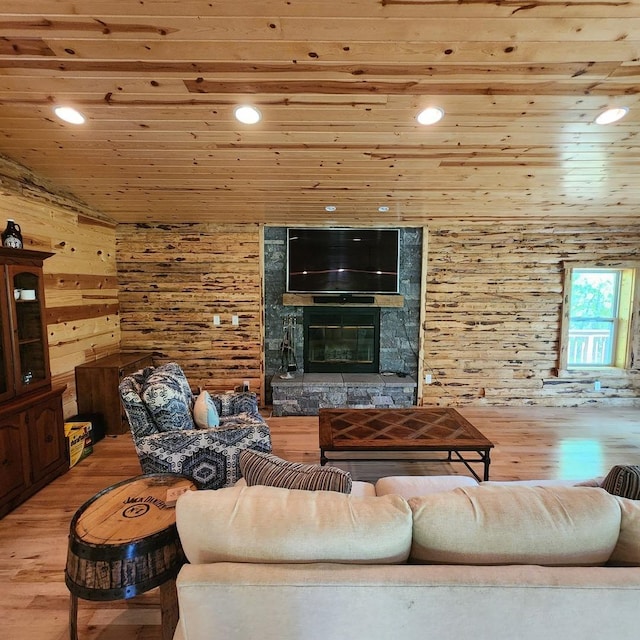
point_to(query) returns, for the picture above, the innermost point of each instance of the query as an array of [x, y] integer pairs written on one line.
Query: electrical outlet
[[216, 321], [427, 378], [235, 320], [596, 385]]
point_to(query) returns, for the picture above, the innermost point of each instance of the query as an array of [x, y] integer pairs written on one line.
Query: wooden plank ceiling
[[339, 83]]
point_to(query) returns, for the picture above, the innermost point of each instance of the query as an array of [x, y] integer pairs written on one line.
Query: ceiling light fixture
[[430, 115], [247, 114], [330, 207], [383, 209], [612, 115], [69, 114]]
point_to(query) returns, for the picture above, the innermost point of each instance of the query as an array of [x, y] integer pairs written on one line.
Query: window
[[597, 317]]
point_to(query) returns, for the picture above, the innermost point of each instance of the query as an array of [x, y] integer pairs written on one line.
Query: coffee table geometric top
[[421, 430], [411, 429]]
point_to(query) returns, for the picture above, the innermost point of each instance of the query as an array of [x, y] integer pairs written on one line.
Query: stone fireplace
[[338, 364]]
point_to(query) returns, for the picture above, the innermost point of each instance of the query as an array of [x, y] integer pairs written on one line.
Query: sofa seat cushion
[[270, 524], [168, 398], [487, 524], [267, 469], [547, 482], [359, 488], [412, 486]]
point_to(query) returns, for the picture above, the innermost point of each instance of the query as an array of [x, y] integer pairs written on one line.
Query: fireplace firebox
[[341, 340]]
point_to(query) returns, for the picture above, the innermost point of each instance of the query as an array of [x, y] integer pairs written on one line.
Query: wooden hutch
[[32, 441]]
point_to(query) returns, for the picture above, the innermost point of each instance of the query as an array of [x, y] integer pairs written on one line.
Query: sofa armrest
[[230, 404], [175, 442], [211, 457]]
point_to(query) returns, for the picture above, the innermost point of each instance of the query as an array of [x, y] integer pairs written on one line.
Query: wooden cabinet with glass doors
[[32, 442]]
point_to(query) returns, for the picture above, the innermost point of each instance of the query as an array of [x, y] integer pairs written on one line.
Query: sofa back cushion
[[488, 525], [167, 396], [273, 525], [627, 551]]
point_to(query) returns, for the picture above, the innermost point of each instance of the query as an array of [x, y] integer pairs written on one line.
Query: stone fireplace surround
[[399, 334], [306, 393]]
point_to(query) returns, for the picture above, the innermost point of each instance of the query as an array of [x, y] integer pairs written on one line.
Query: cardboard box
[[79, 441]]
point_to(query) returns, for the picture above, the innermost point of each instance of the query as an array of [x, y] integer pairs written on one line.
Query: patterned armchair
[[158, 402]]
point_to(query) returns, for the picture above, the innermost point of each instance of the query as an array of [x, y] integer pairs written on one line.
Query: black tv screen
[[342, 260]]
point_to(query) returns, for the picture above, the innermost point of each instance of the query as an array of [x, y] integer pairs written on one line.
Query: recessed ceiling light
[[330, 207], [383, 209], [431, 115], [69, 114], [247, 114], [612, 115]]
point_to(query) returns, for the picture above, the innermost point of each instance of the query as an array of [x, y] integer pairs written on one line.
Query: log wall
[[173, 279], [80, 279], [492, 316]]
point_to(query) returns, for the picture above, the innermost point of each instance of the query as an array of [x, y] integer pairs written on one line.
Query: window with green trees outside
[[598, 314]]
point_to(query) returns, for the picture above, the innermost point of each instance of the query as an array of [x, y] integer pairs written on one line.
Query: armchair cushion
[[167, 395]]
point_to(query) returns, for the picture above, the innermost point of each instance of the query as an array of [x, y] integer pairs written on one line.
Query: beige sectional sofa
[[437, 557]]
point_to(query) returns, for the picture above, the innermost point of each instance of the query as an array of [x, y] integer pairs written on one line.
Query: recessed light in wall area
[[612, 115], [69, 114], [247, 114], [430, 115]]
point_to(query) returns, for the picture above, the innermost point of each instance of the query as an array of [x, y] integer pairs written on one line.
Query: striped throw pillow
[[624, 481], [267, 469]]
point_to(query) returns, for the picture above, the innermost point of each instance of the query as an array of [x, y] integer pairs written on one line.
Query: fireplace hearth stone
[[305, 394]]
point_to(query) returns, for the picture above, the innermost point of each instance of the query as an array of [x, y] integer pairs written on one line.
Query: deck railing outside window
[[590, 347]]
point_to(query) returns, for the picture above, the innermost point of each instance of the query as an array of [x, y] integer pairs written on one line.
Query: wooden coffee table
[[388, 434]]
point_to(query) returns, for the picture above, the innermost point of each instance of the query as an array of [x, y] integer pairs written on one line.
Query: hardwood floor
[[529, 443]]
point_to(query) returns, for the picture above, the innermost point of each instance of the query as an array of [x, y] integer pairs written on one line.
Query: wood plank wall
[[174, 278], [80, 279], [493, 305]]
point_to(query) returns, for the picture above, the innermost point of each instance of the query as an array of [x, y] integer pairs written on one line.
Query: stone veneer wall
[[399, 328]]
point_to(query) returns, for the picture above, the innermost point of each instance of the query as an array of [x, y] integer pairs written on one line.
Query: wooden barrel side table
[[124, 541]]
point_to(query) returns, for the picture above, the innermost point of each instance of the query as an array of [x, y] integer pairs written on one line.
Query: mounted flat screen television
[[342, 260]]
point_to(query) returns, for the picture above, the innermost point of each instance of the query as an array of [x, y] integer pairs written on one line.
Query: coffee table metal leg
[[487, 462], [73, 616]]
